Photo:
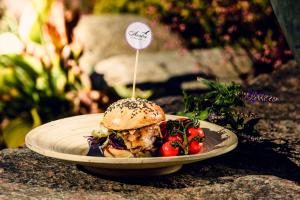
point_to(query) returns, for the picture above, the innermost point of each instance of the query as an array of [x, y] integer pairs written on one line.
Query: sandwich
[[130, 128]]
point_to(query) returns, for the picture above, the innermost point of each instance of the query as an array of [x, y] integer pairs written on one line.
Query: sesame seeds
[[137, 106]]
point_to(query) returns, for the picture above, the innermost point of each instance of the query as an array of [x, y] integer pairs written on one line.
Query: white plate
[[64, 139]]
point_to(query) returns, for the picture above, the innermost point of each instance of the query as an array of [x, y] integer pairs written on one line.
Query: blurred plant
[[224, 104], [208, 23], [40, 79], [125, 92]]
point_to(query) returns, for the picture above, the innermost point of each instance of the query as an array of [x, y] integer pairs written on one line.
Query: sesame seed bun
[[128, 114]]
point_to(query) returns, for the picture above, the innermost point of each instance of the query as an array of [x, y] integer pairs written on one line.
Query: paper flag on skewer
[[138, 36]]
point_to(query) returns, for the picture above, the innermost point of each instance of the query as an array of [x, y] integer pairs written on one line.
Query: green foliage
[[220, 97], [42, 9], [14, 133], [38, 83], [109, 6], [220, 105], [25, 87], [208, 23], [125, 92]]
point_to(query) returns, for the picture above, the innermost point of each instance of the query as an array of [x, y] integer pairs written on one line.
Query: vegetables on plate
[[181, 137]]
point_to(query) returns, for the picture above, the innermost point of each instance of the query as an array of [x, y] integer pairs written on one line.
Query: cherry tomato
[[168, 150], [196, 131], [176, 137], [195, 147], [182, 118]]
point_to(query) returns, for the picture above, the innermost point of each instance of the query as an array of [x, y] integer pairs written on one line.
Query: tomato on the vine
[[195, 147], [182, 118], [196, 132], [176, 137], [167, 149]]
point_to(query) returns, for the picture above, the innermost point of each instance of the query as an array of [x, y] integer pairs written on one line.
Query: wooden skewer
[[135, 71]]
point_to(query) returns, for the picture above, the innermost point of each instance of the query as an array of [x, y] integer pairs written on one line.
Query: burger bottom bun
[[118, 153], [112, 152]]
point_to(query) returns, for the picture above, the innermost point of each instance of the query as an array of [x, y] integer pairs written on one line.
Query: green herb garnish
[[221, 104], [99, 134]]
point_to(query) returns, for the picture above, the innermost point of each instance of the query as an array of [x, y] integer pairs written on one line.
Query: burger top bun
[[128, 114]]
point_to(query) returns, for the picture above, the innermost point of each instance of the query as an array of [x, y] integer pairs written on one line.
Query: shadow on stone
[[170, 87], [249, 158]]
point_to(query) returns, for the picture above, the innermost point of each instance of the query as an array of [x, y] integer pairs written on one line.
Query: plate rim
[[232, 144]]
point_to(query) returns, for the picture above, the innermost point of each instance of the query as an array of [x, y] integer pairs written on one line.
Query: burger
[[130, 128]]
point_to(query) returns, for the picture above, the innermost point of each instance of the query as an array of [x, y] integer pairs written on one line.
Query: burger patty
[[141, 139], [140, 142]]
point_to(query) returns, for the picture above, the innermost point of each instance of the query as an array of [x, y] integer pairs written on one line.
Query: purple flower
[[254, 96], [246, 114], [213, 116], [251, 138]]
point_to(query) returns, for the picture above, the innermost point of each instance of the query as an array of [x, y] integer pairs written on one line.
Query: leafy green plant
[[125, 92], [40, 78], [224, 104]]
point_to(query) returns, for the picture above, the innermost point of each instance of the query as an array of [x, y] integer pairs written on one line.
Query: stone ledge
[[265, 168], [26, 174]]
